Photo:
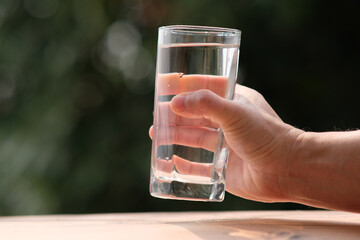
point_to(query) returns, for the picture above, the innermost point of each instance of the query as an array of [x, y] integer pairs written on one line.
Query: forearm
[[326, 171]]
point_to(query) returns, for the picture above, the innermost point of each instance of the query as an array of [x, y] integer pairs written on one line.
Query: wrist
[[296, 174]]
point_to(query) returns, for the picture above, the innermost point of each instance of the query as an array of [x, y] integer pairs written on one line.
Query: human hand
[[260, 143]]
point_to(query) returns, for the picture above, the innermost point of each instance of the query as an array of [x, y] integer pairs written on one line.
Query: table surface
[[291, 225]]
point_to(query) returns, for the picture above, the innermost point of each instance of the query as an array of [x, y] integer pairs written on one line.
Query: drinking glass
[[189, 156]]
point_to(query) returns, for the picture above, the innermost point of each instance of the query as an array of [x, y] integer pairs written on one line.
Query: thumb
[[204, 103]]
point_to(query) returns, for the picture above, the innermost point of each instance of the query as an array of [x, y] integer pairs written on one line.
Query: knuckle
[[200, 140], [204, 99]]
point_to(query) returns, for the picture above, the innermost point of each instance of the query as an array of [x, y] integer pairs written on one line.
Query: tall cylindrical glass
[[189, 155]]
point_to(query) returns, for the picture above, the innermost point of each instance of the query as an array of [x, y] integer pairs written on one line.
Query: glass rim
[[201, 29]]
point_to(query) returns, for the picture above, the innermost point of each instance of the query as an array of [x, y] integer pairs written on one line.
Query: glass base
[[213, 192]]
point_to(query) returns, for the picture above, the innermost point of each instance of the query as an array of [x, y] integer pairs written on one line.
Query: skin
[[269, 160]]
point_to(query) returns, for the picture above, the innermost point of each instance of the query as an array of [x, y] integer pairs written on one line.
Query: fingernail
[[178, 102]]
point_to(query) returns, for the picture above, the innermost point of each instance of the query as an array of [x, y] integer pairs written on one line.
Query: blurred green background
[[77, 80]]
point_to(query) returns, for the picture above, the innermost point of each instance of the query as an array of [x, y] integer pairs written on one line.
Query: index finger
[[175, 83]]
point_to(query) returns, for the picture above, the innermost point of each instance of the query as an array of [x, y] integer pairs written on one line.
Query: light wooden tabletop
[[291, 225]]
